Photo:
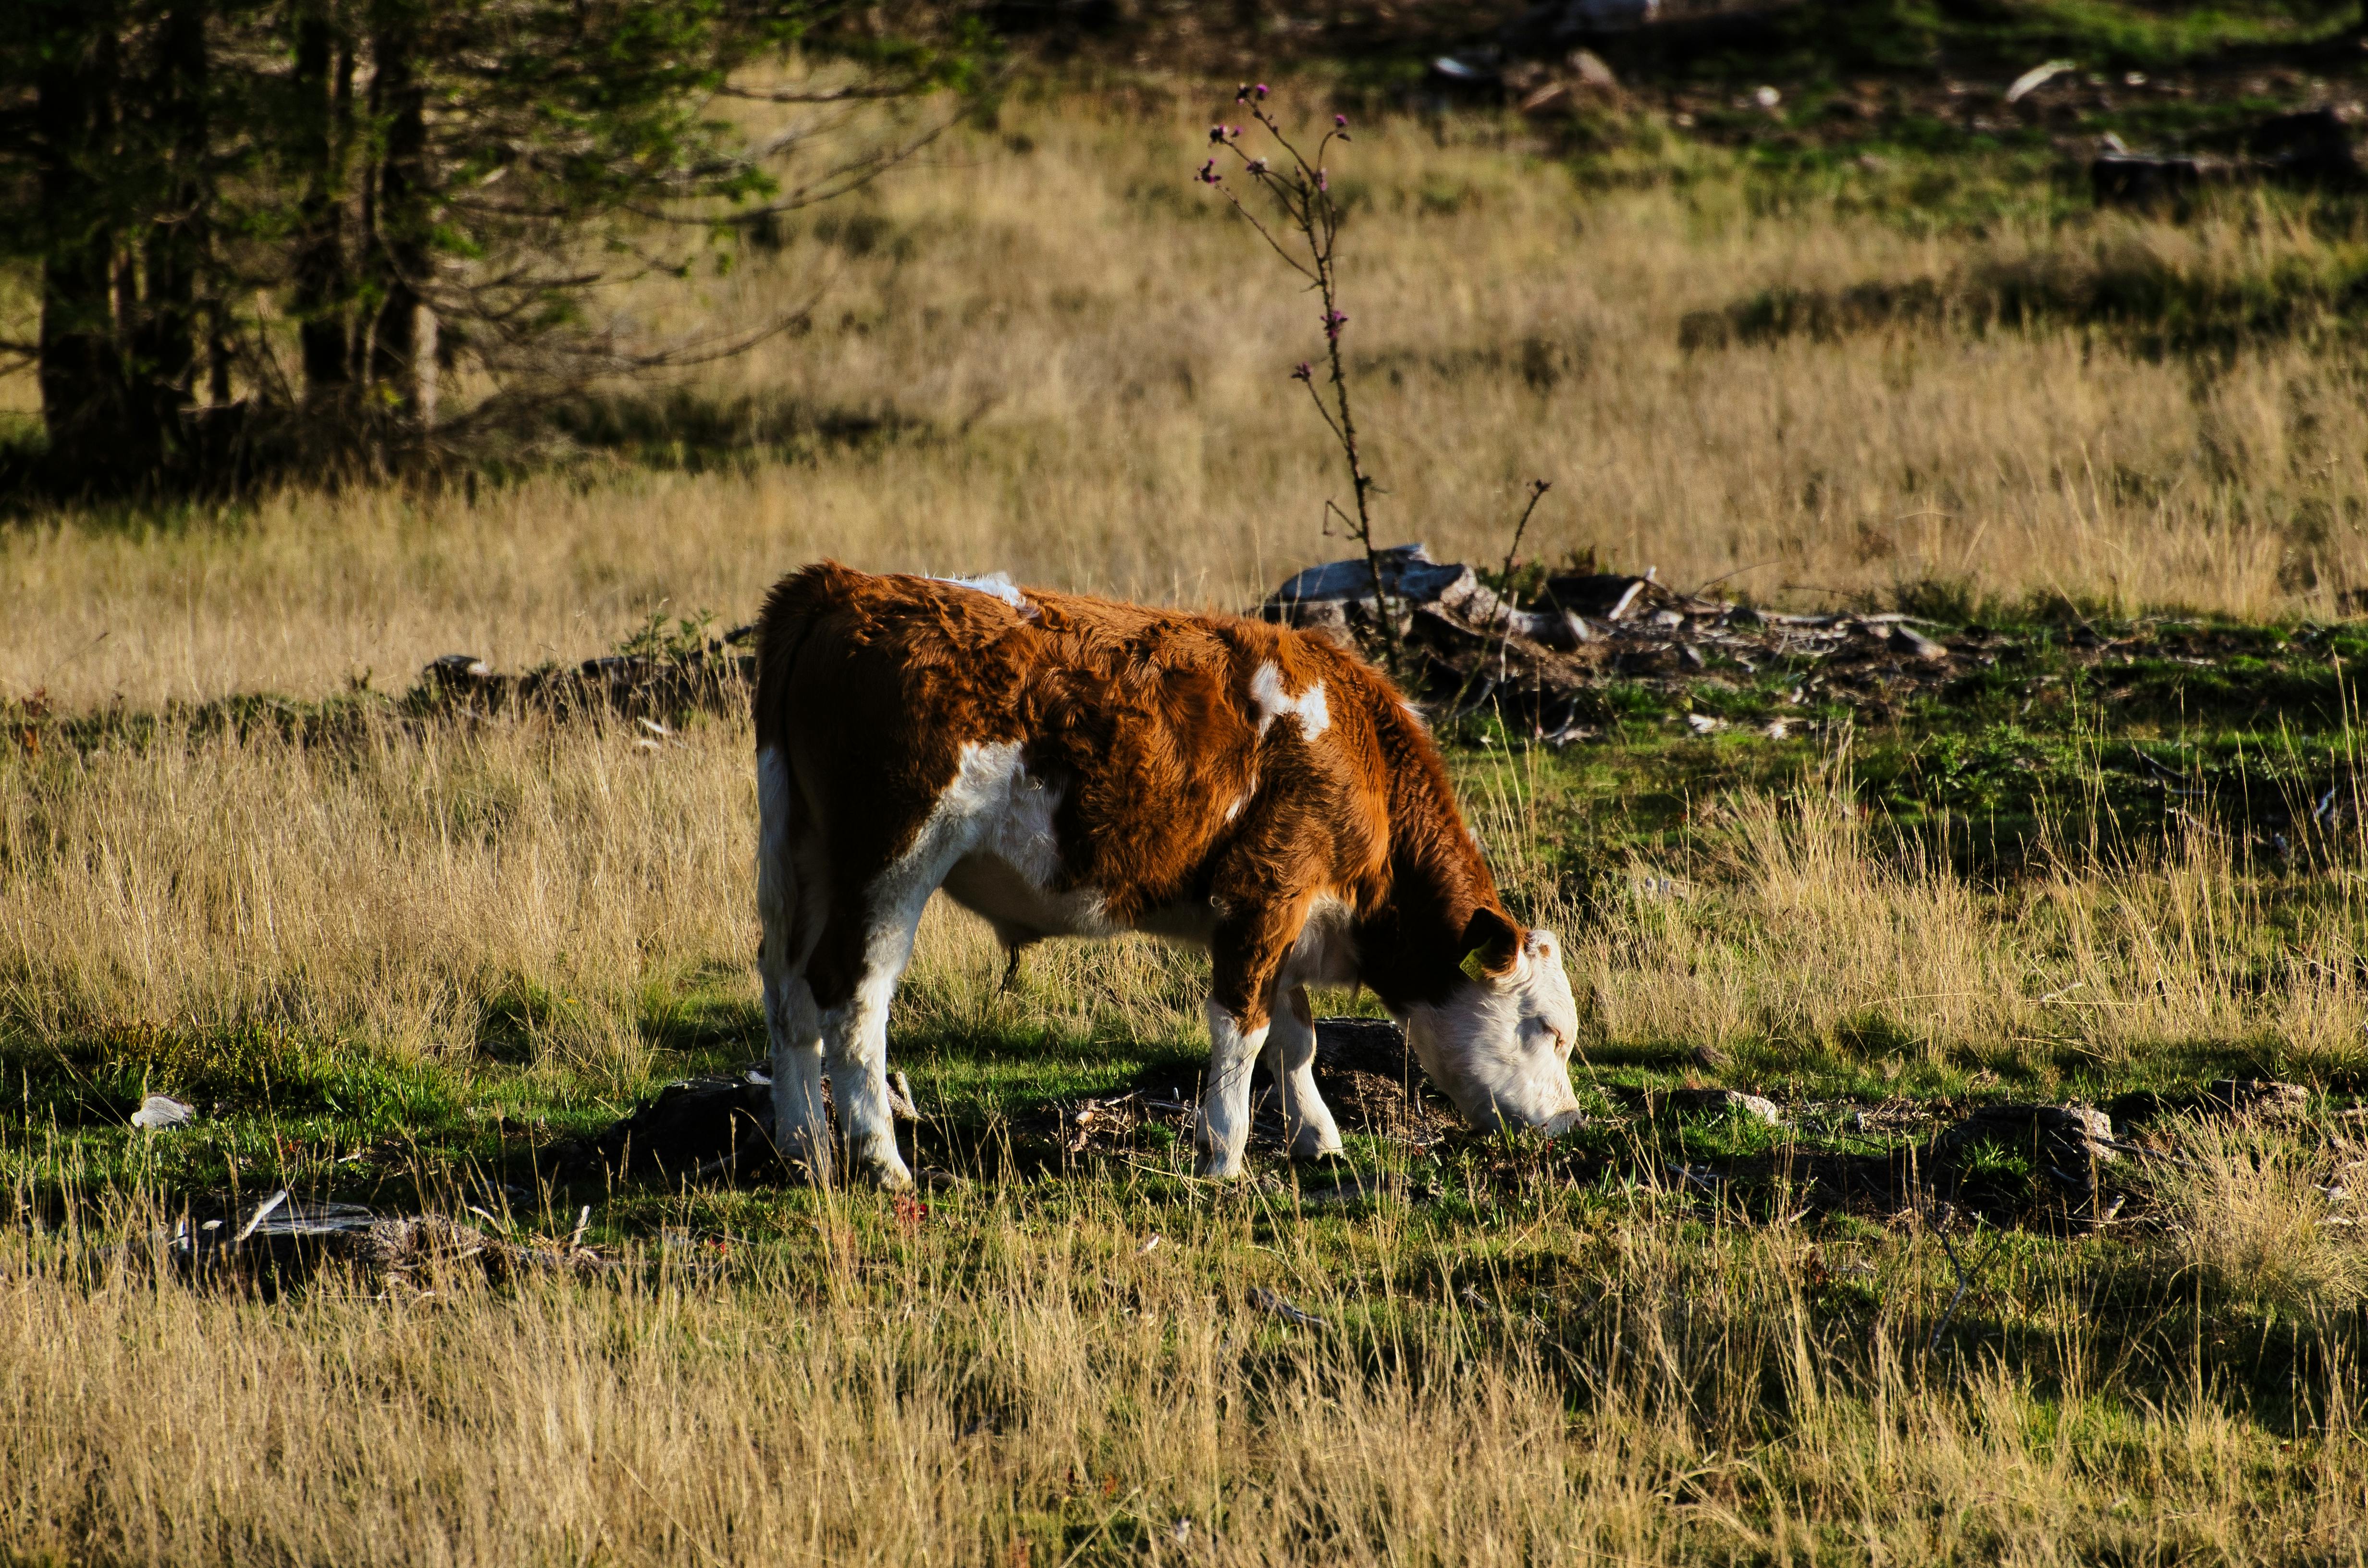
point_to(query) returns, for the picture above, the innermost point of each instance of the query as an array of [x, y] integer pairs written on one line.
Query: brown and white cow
[[1071, 766]]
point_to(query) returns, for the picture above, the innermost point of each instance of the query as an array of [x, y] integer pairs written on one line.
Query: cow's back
[[1159, 731]]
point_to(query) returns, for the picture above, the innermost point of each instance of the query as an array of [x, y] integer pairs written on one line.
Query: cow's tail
[[791, 611], [790, 868], [795, 604]]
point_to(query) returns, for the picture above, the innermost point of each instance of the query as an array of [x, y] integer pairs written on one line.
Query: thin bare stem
[[1538, 488], [1302, 194], [1317, 398]]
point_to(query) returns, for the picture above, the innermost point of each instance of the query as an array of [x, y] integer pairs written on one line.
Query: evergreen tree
[[403, 185]]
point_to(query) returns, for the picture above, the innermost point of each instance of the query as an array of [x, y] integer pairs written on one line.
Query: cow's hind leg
[[867, 942], [790, 907], [1289, 1056], [801, 1116], [855, 1045]]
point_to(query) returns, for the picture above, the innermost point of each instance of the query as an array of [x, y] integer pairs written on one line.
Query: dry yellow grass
[[1813, 939], [381, 897], [1088, 363], [1065, 1396], [2264, 1219], [387, 895]]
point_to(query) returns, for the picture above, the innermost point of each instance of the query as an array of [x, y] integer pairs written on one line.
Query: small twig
[[1317, 399], [1266, 1300], [2144, 1153], [1538, 488], [1965, 1279], [1172, 1175], [262, 1211], [583, 1222], [1095, 1534]]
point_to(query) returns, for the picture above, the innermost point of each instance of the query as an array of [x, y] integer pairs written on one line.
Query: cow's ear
[[1492, 945]]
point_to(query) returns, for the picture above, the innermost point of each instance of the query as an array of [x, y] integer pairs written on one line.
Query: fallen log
[[660, 688], [284, 1241]]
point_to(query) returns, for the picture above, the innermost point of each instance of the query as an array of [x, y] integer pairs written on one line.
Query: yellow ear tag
[[1473, 966]]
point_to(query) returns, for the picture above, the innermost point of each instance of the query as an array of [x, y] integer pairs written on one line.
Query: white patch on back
[[1308, 708], [996, 585]]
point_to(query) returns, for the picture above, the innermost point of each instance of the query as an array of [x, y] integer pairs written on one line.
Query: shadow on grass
[[681, 428]]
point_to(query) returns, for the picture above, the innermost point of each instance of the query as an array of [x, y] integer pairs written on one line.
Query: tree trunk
[[325, 87], [166, 344], [400, 243], [81, 370]]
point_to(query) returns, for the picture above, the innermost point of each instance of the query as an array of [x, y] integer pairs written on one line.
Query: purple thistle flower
[[1208, 174], [1261, 89], [1242, 94], [1303, 371], [1216, 134], [1256, 165], [1333, 321], [1322, 181], [1340, 122]]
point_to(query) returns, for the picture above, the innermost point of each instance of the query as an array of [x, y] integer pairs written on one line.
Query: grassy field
[[400, 959], [1049, 352]]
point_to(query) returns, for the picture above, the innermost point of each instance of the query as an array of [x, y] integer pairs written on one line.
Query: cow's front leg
[[1242, 962], [1223, 1126], [1291, 1058]]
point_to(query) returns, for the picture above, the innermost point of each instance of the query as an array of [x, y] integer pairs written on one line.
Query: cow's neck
[[1410, 944]]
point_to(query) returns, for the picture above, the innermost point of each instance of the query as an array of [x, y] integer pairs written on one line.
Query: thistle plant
[[1303, 227]]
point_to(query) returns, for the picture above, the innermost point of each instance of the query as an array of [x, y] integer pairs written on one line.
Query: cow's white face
[[1499, 1046]]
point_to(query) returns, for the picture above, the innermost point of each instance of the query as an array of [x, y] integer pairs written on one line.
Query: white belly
[[1019, 906], [1326, 953], [1012, 879]]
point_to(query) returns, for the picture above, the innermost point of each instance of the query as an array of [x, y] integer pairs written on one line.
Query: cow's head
[[1500, 1043]]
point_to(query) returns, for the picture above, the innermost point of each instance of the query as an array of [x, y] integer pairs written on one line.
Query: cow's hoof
[[1311, 1145], [807, 1159], [888, 1175]]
